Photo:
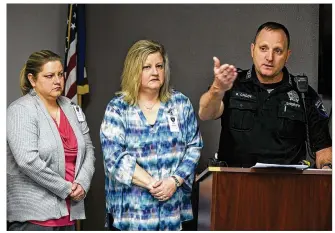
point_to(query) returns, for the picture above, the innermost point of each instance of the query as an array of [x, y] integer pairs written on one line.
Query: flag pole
[[78, 225], [79, 99]]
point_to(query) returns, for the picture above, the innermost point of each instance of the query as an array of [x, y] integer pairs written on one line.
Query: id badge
[[79, 113], [173, 123]]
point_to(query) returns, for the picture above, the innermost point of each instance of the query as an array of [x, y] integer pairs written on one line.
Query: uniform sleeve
[[87, 169], [194, 144], [22, 138], [318, 120], [227, 95], [118, 162]]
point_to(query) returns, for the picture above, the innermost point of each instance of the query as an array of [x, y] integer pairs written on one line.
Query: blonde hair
[[132, 70], [34, 66]]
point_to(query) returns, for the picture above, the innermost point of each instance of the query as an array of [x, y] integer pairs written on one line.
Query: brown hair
[[34, 66]]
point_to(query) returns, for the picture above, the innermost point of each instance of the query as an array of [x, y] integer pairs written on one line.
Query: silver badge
[[293, 96]]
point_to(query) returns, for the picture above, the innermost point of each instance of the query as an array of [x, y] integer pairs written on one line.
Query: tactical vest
[[258, 126]]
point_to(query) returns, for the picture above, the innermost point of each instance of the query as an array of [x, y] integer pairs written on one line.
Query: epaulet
[[243, 74], [239, 70]]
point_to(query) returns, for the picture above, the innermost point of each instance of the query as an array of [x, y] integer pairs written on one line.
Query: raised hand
[[224, 76]]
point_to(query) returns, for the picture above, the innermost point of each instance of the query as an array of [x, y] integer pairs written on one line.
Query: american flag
[[75, 51]]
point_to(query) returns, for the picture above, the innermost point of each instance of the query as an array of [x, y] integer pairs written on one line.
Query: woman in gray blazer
[[50, 156]]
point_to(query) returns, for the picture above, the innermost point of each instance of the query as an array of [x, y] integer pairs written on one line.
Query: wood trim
[[271, 170]]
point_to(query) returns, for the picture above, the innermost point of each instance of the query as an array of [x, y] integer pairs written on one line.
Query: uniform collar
[[252, 77]]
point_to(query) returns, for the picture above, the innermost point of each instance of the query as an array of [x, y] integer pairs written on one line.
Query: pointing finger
[[216, 62]]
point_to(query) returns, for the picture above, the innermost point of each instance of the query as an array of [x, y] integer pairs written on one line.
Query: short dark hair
[[274, 26]]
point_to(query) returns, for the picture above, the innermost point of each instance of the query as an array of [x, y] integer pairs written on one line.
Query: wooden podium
[[264, 199]]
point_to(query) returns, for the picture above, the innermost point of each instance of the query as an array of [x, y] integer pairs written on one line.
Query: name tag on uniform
[[173, 123], [79, 113]]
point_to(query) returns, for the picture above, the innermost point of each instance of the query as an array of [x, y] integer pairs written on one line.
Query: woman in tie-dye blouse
[[151, 145]]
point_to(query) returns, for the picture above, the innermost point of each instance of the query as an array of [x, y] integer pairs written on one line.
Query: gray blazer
[[36, 185]]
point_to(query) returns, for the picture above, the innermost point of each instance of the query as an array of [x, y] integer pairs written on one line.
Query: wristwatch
[[178, 184], [327, 165]]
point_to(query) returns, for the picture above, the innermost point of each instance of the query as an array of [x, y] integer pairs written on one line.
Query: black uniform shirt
[[264, 125]]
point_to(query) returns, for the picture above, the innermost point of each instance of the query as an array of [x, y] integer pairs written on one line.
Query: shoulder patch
[[248, 74], [321, 108]]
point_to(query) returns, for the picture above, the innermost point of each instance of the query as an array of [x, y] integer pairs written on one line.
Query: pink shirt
[[70, 150]]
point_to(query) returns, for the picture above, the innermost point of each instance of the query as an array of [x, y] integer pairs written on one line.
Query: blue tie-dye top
[[127, 139]]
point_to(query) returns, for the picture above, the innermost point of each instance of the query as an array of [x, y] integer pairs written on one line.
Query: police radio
[[301, 82]]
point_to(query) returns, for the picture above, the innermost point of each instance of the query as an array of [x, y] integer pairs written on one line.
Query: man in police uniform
[[261, 110]]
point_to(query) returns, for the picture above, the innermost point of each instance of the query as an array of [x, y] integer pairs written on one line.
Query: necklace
[[56, 117], [151, 107]]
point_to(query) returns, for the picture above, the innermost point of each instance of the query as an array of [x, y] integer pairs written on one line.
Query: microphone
[[302, 86], [215, 162], [302, 83]]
